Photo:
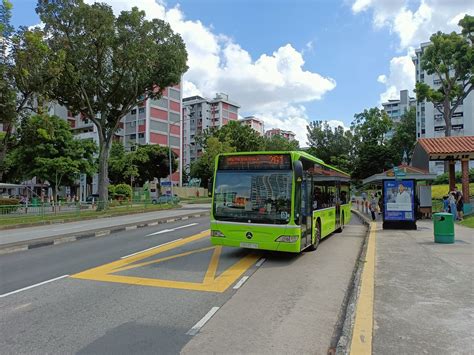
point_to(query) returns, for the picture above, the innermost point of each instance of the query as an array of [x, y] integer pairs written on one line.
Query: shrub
[[8, 205], [111, 189], [123, 190]]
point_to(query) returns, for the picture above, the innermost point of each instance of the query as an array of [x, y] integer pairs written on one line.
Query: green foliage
[[444, 178], [241, 137], [279, 143], [118, 164], [47, 149], [111, 189], [112, 63], [450, 58], [123, 190], [404, 136], [333, 146], [203, 168], [8, 205], [372, 151], [152, 161]]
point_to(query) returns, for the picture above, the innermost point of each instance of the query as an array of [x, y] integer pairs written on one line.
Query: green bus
[[282, 201]]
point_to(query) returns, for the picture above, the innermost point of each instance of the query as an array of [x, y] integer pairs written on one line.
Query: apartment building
[[255, 123], [395, 108], [200, 113], [289, 135], [429, 120]]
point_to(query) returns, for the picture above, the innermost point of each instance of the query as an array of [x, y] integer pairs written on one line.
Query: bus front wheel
[[314, 246], [341, 228]]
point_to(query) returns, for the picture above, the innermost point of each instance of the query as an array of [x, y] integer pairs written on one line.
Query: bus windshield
[[258, 196]]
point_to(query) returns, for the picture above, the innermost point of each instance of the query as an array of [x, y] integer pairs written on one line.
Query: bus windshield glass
[[258, 196]]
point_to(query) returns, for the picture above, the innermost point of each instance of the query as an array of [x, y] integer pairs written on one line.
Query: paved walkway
[[423, 293], [10, 236]]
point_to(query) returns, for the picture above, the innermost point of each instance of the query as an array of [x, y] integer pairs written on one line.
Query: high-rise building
[[289, 135], [199, 114], [397, 107], [255, 123], [429, 120]]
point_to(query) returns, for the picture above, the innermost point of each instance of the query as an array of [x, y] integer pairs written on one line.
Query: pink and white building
[[289, 135], [255, 123], [199, 114]]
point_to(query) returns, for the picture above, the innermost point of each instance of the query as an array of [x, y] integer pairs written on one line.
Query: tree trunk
[[4, 150], [103, 173], [447, 117]]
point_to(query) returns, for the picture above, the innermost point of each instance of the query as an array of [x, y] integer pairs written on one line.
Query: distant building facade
[[397, 107], [430, 122], [255, 123], [200, 113], [289, 135]]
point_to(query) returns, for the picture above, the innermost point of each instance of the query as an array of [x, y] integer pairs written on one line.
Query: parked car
[[92, 198], [166, 199]]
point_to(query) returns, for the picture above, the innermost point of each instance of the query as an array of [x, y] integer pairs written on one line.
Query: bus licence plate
[[249, 245]]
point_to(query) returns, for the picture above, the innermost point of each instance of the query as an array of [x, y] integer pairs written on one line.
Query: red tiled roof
[[447, 145]]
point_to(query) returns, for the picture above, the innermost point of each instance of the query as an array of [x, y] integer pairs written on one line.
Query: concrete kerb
[[72, 237], [351, 298]]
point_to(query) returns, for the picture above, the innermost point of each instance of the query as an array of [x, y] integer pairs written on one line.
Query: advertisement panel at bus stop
[[399, 200]]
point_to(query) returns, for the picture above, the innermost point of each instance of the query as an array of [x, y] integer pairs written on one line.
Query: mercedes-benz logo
[[249, 235]]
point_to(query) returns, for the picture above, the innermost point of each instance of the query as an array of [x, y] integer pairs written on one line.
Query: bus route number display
[[255, 162]]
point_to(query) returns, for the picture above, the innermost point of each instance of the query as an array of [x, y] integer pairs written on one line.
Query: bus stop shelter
[[449, 149], [406, 193]]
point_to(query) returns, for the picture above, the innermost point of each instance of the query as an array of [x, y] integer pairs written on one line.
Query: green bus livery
[[282, 201]]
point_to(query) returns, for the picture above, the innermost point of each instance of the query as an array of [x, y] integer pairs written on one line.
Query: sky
[[291, 62]]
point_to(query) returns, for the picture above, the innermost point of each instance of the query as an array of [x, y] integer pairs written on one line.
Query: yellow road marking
[[210, 283], [364, 319]]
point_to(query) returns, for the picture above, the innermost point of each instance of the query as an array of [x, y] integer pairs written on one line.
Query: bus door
[[337, 201], [306, 210]]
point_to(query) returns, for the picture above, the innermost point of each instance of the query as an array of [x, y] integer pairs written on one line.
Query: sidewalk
[[423, 292], [27, 238]]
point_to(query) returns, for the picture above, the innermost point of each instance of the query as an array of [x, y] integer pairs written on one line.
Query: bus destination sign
[[255, 162]]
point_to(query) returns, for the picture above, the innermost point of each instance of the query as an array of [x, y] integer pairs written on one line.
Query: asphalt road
[[152, 301]]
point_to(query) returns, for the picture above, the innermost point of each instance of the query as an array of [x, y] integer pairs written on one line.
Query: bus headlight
[[287, 238], [216, 233]]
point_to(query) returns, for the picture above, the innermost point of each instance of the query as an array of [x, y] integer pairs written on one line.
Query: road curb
[[95, 233], [352, 295]]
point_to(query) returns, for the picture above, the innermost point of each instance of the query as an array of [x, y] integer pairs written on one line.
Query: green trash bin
[[35, 202], [443, 227]]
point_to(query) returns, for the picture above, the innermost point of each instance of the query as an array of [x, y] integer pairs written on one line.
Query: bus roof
[[295, 153]]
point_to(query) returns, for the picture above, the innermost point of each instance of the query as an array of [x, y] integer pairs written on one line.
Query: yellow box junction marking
[[364, 319], [211, 283]]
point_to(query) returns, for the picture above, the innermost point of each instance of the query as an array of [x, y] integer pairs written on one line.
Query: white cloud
[[272, 83], [413, 21], [401, 77]]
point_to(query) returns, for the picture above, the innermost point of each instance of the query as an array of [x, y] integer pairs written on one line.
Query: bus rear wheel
[[317, 240]]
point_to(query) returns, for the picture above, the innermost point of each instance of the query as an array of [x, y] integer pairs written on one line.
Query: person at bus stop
[[373, 206], [459, 202], [452, 204]]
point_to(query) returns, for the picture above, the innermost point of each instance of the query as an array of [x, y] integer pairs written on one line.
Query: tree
[[203, 168], [240, 136], [404, 137], [152, 161], [277, 142], [47, 150], [112, 64], [450, 57], [332, 145], [28, 69], [372, 151]]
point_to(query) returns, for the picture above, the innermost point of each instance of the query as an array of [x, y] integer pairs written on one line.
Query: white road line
[[260, 262], [187, 225], [240, 283], [142, 251], [194, 330], [28, 287], [160, 232]]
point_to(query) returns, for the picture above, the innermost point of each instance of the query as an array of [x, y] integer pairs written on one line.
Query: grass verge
[[468, 221]]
